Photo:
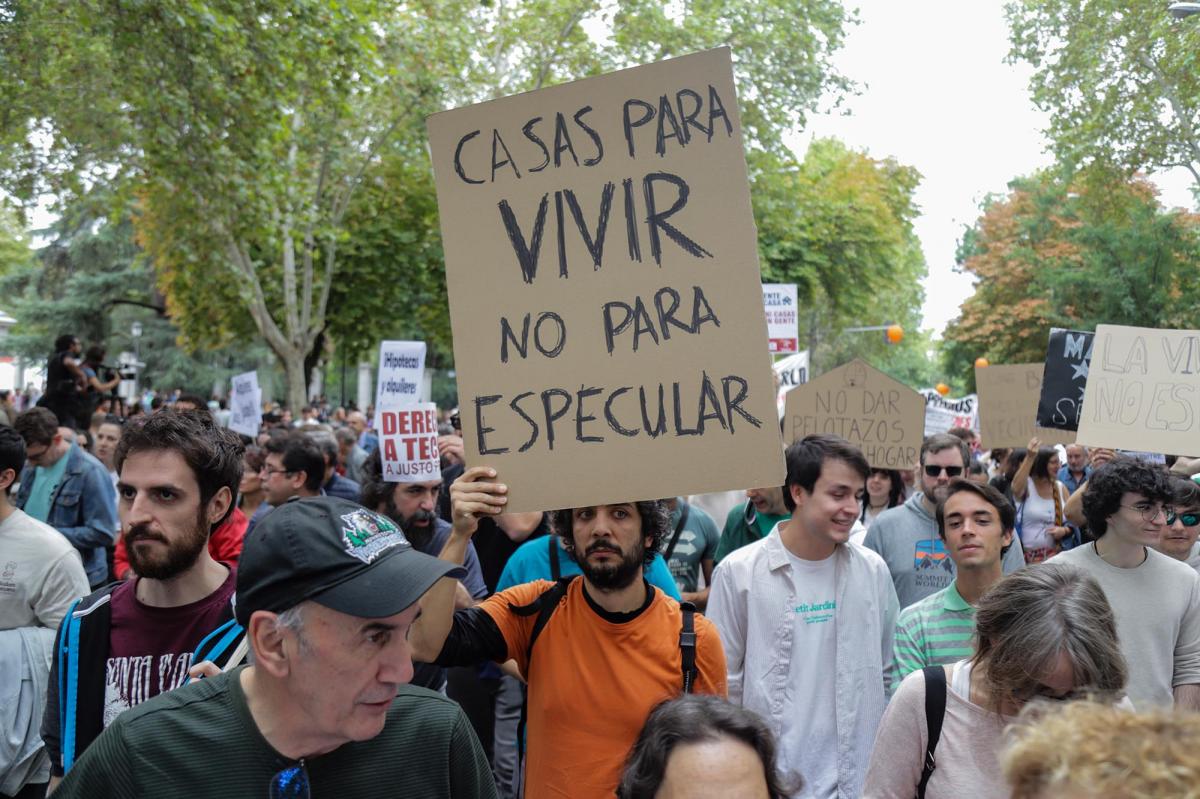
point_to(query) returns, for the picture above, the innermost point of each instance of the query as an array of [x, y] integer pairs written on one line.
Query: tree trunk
[[293, 364]]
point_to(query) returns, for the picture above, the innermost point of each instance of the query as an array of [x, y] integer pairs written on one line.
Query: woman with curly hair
[[1045, 632], [1090, 750]]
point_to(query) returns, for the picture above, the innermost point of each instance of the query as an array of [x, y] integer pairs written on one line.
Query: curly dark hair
[[692, 719], [213, 453], [655, 520], [1112, 480]]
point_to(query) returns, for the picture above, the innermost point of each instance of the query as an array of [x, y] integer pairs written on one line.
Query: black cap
[[336, 553]]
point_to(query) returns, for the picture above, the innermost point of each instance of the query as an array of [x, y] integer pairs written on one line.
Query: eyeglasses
[[32, 456], [291, 783], [1150, 510], [269, 470], [1188, 519], [1040, 691], [934, 471]]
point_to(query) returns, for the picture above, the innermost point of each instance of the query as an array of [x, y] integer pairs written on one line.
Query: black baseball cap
[[336, 553]]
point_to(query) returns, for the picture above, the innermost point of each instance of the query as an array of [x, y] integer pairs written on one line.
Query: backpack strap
[[555, 569], [683, 517], [544, 606], [687, 646], [935, 713]]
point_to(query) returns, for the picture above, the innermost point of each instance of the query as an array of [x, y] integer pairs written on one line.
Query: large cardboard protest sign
[[1008, 403], [783, 321], [882, 416], [245, 404], [1143, 391], [1064, 378], [943, 413], [604, 288]]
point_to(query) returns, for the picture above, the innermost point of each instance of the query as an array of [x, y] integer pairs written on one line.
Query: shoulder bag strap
[[555, 569], [687, 646], [935, 712], [683, 517]]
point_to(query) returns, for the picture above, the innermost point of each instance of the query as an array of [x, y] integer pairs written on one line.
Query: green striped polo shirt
[[934, 632]]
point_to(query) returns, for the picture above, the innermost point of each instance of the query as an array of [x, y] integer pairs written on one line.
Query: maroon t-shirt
[[150, 649]]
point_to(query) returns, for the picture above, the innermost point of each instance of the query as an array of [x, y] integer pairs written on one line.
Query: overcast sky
[[937, 95]]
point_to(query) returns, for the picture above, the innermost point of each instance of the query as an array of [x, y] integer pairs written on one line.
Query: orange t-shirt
[[592, 683]]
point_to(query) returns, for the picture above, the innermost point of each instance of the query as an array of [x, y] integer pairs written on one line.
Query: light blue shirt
[[45, 481], [531, 562]]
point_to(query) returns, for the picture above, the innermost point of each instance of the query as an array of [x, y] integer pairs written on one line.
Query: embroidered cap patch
[[368, 534]]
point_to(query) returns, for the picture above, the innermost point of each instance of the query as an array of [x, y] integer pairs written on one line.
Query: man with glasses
[[1178, 538], [323, 710], [294, 467], [907, 536], [1156, 599], [68, 489]]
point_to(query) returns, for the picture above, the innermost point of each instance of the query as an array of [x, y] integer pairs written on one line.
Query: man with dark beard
[[609, 644], [410, 505], [177, 479]]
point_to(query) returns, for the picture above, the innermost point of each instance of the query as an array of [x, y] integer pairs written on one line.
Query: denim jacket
[[753, 589], [83, 508]]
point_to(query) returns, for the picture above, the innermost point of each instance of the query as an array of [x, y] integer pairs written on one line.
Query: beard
[[180, 556], [418, 527], [612, 577]]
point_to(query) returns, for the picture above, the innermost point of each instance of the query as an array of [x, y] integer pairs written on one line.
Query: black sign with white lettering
[[1067, 360]]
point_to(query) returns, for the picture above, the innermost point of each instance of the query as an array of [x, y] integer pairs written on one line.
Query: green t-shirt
[[737, 533], [697, 542], [45, 481], [201, 742]]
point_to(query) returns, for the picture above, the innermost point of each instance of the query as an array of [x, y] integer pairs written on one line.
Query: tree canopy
[[241, 132], [1119, 78], [1074, 252]]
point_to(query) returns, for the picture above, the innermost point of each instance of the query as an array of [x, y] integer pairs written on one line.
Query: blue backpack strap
[[210, 649], [69, 688]]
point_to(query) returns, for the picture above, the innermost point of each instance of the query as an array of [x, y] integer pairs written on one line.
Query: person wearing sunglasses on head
[[327, 592], [1178, 538], [907, 536], [1044, 634], [1041, 500], [1156, 598]]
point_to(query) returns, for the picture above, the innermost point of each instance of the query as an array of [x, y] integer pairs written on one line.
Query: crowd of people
[[186, 610]]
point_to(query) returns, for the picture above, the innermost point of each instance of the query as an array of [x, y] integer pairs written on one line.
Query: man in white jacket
[[810, 647]]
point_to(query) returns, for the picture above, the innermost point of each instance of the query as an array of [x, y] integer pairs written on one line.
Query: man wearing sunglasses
[[907, 536], [1178, 538], [1156, 599], [327, 591]]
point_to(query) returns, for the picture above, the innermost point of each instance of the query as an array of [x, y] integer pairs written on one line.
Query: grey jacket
[[25, 651]]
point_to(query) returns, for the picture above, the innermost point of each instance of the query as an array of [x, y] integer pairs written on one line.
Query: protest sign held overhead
[[943, 413], [1008, 403], [401, 374], [1143, 390], [882, 416], [408, 441], [783, 324], [245, 403], [605, 299], [1064, 378]]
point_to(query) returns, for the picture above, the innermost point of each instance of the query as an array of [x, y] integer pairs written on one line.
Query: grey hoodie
[[907, 538]]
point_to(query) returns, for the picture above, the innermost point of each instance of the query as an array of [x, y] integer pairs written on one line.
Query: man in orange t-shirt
[[609, 652]]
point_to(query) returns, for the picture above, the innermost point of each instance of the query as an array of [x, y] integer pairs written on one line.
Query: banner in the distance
[[401, 376], [245, 404], [783, 324]]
